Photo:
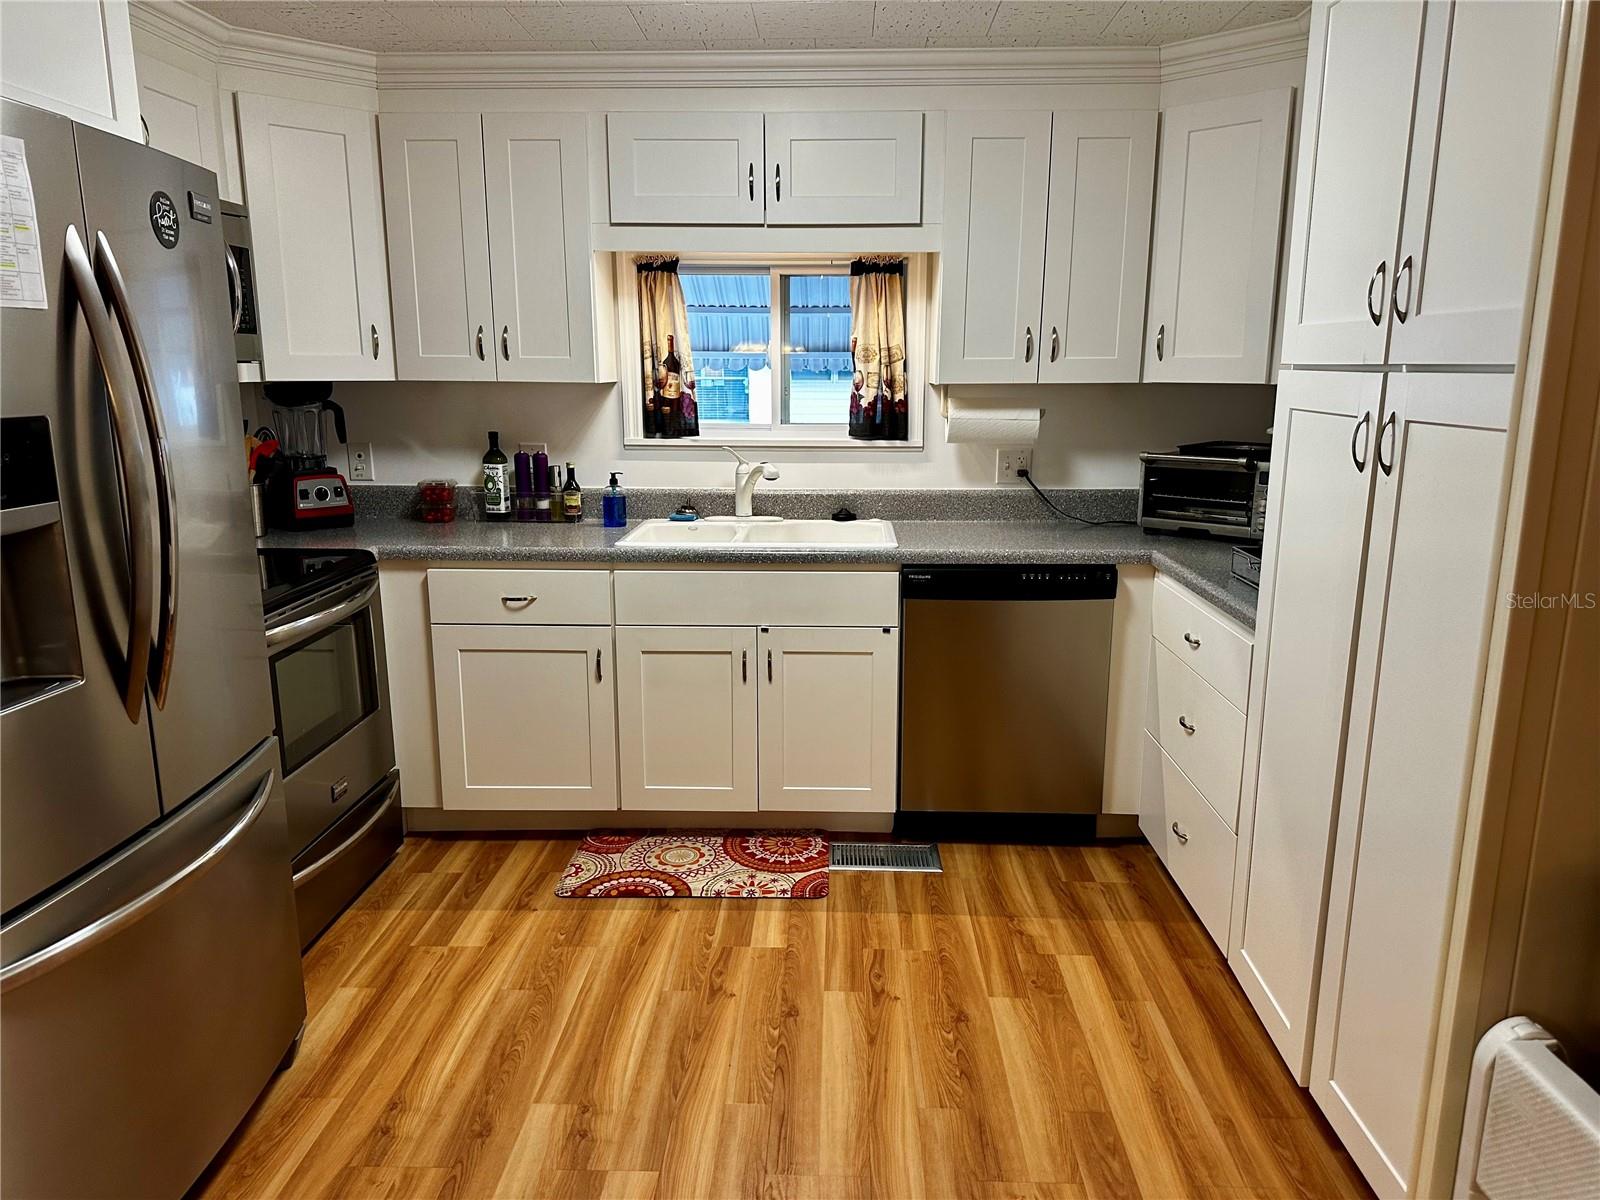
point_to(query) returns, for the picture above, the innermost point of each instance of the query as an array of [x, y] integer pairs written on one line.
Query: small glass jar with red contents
[[437, 500]]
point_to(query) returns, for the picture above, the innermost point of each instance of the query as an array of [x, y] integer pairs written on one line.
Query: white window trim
[[830, 437]]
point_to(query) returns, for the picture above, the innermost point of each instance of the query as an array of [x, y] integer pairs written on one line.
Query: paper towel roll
[[966, 421]]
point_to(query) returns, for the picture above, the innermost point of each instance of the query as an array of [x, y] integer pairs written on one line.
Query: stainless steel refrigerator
[[150, 976]]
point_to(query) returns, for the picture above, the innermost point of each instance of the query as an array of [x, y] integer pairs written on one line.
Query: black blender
[[302, 491]]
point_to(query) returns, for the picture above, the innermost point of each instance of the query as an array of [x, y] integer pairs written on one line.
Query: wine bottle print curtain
[[669, 406], [878, 406]]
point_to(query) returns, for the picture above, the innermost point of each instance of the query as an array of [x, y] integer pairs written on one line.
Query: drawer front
[[810, 598], [1205, 640], [1200, 851], [1201, 731], [486, 596]]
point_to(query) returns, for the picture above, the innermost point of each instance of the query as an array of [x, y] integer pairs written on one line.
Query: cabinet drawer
[[493, 597], [1204, 639], [816, 598], [1199, 851], [1201, 731]]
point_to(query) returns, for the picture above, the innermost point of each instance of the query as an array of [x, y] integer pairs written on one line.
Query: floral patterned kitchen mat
[[770, 865]]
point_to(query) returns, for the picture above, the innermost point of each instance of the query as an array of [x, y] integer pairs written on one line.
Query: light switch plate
[[1008, 460], [360, 462]]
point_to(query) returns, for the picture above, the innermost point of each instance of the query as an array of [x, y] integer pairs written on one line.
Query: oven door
[[332, 705]]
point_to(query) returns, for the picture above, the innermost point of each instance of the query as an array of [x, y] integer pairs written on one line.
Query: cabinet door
[[1214, 259], [1353, 141], [1428, 602], [73, 59], [687, 705], [181, 113], [1318, 504], [686, 168], [527, 716], [1477, 176], [311, 171], [997, 184], [830, 709], [541, 257], [844, 168], [1097, 247], [438, 232]]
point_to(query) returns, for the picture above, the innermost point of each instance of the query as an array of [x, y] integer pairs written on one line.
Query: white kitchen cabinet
[[997, 185], [437, 223], [527, 717], [844, 168], [1323, 473], [181, 113], [1097, 246], [1473, 196], [686, 168], [1428, 599], [686, 706], [316, 216], [1192, 841], [1214, 254], [552, 298], [829, 717], [73, 59]]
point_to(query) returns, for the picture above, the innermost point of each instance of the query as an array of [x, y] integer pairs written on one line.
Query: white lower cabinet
[[1192, 840], [829, 719], [686, 704], [527, 716]]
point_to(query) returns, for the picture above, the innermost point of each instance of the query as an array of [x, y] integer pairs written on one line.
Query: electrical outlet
[[360, 462], [1008, 460]]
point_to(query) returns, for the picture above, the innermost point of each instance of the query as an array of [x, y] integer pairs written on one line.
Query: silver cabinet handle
[[1055, 343], [1184, 725], [1356, 434], [508, 601], [599, 673], [480, 343], [91, 935], [777, 181], [1194, 642], [374, 343], [306, 874], [1401, 313], [1375, 307], [769, 666], [744, 666], [166, 616], [752, 181], [1387, 464], [235, 287], [299, 631], [1161, 342], [1183, 838], [1027, 346], [505, 342], [136, 483]]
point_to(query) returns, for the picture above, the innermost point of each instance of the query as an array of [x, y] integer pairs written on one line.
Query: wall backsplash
[[1090, 437]]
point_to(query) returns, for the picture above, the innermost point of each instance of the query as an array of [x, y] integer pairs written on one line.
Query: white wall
[[1091, 435]]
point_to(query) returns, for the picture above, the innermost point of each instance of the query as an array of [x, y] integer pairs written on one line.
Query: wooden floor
[[1035, 1022]]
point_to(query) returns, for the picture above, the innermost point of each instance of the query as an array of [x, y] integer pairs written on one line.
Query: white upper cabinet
[[1097, 246], [438, 231], [844, 168], [311, 171], [1485, 96], [997, 185], [181, 114], [551, 297], [73, 59], [1214, 258], [686, 168]]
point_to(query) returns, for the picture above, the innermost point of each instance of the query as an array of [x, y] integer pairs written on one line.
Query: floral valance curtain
[[669, 407], [878, 408]]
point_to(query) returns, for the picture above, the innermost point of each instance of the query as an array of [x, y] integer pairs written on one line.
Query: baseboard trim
[[441, 820]]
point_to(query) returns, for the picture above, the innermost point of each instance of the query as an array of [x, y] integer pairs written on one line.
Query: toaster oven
[[1217, 488]]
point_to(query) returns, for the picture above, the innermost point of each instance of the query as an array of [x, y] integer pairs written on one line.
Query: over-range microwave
[[1219, 488], [241, 281]]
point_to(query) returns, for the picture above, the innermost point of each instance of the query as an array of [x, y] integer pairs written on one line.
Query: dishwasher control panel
[[1023, 581]]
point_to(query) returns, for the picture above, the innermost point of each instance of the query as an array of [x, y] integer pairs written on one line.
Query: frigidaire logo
[[164, 219]]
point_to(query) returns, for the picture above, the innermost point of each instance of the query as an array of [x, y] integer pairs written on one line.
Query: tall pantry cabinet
[[1403, 331]]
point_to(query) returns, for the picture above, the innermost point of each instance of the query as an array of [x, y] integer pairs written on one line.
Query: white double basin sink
[[763, 533]]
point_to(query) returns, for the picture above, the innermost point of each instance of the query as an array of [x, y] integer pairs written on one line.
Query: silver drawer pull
[[1183, 838], [1185, 726], [1194, 642], [510, 600]]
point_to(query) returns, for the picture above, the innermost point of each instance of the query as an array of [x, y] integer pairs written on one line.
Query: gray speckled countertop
[[1200, 564]]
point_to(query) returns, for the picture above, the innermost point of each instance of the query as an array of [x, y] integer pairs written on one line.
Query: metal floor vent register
[[884, 856]]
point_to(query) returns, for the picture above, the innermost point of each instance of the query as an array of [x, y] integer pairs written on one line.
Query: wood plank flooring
[[1037, 1022]]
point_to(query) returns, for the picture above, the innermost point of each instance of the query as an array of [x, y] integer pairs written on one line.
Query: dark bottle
[[671, 391], [572, 497], [496, 485]]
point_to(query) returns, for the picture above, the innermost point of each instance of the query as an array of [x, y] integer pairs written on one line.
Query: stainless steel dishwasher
[[1003, 687]]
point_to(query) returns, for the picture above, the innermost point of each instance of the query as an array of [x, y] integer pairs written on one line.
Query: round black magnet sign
[[164, 219]]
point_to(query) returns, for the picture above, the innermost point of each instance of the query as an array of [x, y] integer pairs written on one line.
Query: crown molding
[[1278, 41], [229, 46]]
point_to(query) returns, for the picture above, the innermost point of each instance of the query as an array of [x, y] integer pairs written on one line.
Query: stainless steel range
[[330, 692]]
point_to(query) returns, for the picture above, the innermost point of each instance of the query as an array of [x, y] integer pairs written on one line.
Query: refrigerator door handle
[[135, 479], [58, 953], [166, 634]]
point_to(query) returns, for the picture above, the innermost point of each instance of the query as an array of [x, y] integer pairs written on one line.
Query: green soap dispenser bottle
[[614, 504]]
